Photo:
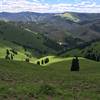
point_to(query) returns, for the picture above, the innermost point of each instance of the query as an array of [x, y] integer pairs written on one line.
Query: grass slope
[[23, 81], [15, 33], [55, 59], [21, 56]]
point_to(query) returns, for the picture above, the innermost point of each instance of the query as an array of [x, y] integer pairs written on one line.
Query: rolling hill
[[21, 80], [81, 51], [29, 40]]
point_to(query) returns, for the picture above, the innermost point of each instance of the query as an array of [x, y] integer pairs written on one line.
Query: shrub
[[46, 60], [7, 57], [38, 62], [7, 52], [27, 60], [42, 62], [12, 56]]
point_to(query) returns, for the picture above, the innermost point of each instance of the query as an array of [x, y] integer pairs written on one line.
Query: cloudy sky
[[48, 6]]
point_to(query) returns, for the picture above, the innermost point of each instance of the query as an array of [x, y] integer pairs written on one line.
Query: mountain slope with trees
[[58, 26]]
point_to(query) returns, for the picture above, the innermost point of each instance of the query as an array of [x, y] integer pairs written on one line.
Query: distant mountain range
[[58, 26], [38, 17], [67, 29]]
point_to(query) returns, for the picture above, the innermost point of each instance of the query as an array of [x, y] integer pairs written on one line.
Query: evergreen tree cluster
[[75, 64], [43, 61], [92, 54], [9, 55]]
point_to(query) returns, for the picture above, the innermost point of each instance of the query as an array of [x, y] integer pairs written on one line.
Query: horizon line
[[49, 12]]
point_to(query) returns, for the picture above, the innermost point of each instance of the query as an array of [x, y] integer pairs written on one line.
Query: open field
[[24, 81]]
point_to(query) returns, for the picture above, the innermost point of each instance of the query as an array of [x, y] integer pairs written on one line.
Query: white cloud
[[38, 6]]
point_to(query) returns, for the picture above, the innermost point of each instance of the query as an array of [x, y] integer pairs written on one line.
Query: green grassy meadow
[[20, 80], [25, 81], [4, 45]]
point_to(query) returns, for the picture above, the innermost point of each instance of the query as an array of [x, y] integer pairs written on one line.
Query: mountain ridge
[[61, 29]]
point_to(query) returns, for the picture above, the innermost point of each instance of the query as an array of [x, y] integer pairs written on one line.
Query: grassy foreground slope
[[23, 81]]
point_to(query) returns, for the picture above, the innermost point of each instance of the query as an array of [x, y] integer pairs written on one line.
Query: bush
[[7, 52], [42, 62], [7, 55], [38, 62], [46, 60], [12, 56], [27, 60]]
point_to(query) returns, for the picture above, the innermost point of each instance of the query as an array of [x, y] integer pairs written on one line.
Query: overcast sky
[[50, 6]]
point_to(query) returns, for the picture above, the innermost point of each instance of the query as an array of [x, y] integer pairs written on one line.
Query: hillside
[[27, 39], [20, 54], [83, 51], [51, 35], [21, 80], [58, 26]]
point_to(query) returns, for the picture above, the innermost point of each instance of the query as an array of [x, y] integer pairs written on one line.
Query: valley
[[36, 53]]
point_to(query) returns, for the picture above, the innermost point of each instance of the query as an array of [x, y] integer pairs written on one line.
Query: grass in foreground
[[23, 81]]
